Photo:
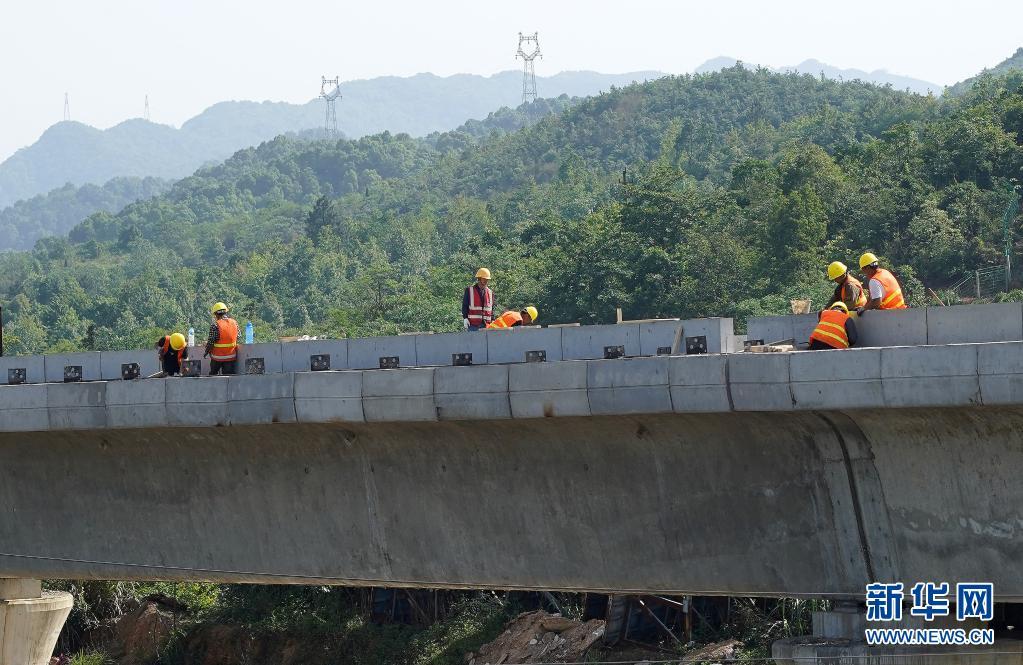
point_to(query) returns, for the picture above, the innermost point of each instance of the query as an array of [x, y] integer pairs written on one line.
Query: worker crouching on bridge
[[172, 350], [512, 319], [848, 289], [478, 302], [222, 345], [835, 329]]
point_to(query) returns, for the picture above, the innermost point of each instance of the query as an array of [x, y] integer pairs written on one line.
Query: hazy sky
[[189, 54]]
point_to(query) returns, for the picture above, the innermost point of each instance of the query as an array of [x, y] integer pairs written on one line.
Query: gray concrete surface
[[996, 322], [869, 378], [89, 362], [588, 342], [270, 352], [324, 397], [771, 503], [547, 390], [296, 355], [399, 394], [365, 353], [437, 349], [510, 346], [110, 363], [34, 366]]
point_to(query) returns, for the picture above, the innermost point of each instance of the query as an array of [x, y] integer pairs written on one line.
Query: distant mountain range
[[70, 152], [816, 67]]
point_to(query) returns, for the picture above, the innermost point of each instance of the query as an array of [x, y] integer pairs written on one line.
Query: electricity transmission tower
[[528, 75], [67, 107], [146, 115], [330, 95]]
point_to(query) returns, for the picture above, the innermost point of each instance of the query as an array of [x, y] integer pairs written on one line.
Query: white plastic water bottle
[[249, 333], [191, 336]]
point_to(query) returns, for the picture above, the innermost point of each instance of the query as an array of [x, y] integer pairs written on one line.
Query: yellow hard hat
[[533, 314], [177, 341], [867, 259], [838, 304], [836, 269], [483, 272], [219, 307]]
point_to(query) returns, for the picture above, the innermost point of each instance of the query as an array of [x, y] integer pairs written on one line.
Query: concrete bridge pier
[[838, 637], [30, 621]]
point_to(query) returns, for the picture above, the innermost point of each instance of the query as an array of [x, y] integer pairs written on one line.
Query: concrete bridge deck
[[807, 473]]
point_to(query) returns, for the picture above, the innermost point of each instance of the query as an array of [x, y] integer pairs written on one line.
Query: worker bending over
[[884, 289], [835, 329], [512, 319], [848, 289], [222, 344], [478, 302], [171, 350]]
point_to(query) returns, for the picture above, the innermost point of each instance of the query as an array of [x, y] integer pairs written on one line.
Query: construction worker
[[848, 289], [512, 319], [478, 302], [222, 344], [171, 349], [883, 289], [835, 329]]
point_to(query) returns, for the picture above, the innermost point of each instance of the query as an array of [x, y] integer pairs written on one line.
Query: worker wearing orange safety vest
[[172, 350], [512, 319], [222, 345], [884, 290], [478, 302], [835, 329], [848, 289]]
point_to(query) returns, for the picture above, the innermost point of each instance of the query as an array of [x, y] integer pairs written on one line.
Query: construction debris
[[713, 653], [539, 637], [771, 348]]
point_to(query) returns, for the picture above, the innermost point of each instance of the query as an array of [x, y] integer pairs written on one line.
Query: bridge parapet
[[959, 324], [955, 375]]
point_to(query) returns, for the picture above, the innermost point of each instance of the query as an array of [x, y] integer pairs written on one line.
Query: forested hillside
[[1007, 66], [418, 105], [55, 212], [740, 186]]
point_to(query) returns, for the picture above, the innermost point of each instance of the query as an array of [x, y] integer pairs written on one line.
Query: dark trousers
[[225, 367], [817, 345]]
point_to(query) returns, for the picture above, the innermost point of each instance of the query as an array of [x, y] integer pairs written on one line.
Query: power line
[[532, 42]]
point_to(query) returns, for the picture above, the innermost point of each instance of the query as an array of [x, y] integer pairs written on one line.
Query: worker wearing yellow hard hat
[[883, 290], [848, 289], [222, 343], [478, 302], [171, 350], [835, 329], [510, 319]]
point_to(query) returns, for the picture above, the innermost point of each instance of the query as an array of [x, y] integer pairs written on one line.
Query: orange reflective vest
[[857, 287], [892, 291], [225, 348], [507, 320], [831, 329], [167, 348], [481, 310]]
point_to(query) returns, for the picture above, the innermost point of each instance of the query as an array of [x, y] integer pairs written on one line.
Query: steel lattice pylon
[[330, 95], [528, 74]]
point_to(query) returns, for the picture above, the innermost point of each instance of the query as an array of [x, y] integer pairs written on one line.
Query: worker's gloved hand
[[860, 310], [465, 324]]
